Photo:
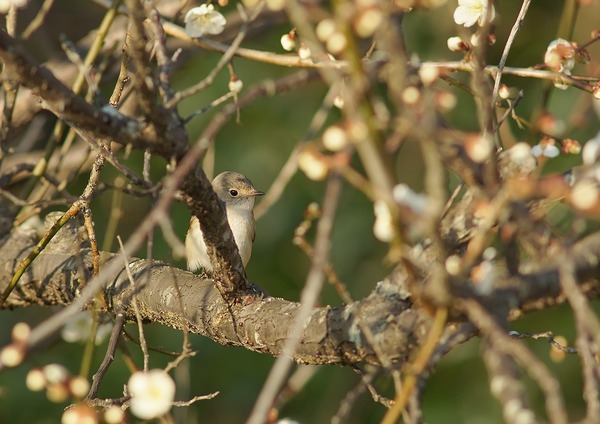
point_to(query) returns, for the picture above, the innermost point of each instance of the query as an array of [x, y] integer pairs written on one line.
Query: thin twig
[[512, 105], [547, 335], [195, 399], [418, 366], [138, 317], [588, 334], [216, 102], [511, 38], [223, 61], [308, 298], [39, 19], [73, 210], [288, 170], [501, 341], [108, 357]]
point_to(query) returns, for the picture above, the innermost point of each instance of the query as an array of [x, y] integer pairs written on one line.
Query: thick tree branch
[[332, 334], [103, 122]]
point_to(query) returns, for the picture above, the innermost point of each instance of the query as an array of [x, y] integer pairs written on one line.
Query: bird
[[236, 191]]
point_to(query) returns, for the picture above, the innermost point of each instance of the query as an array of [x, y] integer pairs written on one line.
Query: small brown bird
[[237, 193]]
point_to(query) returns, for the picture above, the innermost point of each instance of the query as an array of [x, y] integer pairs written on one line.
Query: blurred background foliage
[[258, 146]]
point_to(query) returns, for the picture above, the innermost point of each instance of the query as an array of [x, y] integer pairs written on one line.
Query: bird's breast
[[242, 227]]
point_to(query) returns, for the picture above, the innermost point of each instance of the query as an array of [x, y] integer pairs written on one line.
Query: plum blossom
[[335, 138], [416, 202], [80, 414], [471, 12], [152, 393], [585, 195], [304, 51], [6, 4], [591, 150], [313, 164], [479, 147], [383, 228], [235, 84], [457, 45], [288, 41], [517, 161], [570, 146], [80, 327], [560, 56], [114, 415], [483, 277], [204, 20], [546, 147]]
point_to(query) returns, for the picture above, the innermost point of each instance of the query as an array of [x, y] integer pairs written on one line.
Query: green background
[[270, 128]]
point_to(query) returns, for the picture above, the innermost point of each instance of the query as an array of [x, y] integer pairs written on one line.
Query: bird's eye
[[233, 193]]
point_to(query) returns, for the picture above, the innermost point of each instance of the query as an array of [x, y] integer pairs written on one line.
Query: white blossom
[[114, 415], [79, 328], [55, 373], [21, 332], [204, 20], [152, 393], [80, 414], [338, 101], [313, 165], [457, 45], [405, 196], [304, 51], [383, 228], [335, 138], [336, 43], [288, 41], [470, 12], [367, 21], [520, 152], [591, 150], [35, 380], [479, 147], [78, 386], [235, 85], [12, 355], [325, 29], [453, 265], [585, 195], [483, 277], [547, 148], [560, 56], [6, 4]]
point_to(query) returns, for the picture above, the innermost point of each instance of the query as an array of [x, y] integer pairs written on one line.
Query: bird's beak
[[256, 193]]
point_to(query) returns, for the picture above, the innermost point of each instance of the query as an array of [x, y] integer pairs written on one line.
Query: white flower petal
[[312, 164], [204, 20], [465, 16], [6, 4], [537, 151], [551, 151], [152, 393], [383, 227], [591, 150], [470, 12], [102, 332], [78, 328], [559, 56], [405, 196]]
